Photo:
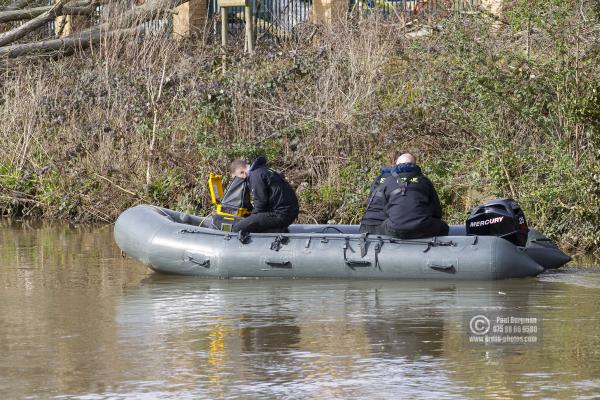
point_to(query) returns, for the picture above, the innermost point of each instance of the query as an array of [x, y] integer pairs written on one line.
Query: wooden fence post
[[328, 12], [190, 18]]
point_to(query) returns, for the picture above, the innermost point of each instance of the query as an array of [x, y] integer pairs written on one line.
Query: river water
[[79, 321]]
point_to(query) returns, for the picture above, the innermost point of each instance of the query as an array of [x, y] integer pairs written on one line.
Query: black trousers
[[435, 227], [371, 229], [263, 223]]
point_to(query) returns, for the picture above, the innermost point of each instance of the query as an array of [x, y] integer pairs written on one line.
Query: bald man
[[412, 206]]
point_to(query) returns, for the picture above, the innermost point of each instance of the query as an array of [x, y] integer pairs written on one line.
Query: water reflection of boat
[[173, 242], [248, 334]]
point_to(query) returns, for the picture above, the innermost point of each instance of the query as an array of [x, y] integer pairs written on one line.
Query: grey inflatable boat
[[176, 243]]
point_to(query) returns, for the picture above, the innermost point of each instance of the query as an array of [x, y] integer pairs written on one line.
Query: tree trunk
[[63, 46], [86, 38], [37, 22], [73, 8], [16, 5]]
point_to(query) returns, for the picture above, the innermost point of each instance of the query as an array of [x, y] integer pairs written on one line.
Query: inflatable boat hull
[[171, 242]]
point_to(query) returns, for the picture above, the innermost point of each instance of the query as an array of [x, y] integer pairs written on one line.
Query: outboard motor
[[500, 217]]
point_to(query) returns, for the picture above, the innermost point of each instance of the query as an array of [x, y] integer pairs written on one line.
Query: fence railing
[[425, 8], [275, 17], [279, 18]]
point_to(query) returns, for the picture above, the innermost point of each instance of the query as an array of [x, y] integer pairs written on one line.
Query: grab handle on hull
[[449, 268], [203, 263], [358, 263], [279, 263], [354, 263]]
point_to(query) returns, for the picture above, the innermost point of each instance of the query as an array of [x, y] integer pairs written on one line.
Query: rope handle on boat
[[324, 230], [244, 238], [436, 243]]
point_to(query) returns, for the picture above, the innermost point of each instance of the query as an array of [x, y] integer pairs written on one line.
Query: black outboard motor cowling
[[500, 217]]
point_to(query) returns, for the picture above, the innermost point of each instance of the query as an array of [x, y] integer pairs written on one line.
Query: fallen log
[[131, 22], [65, 45], [16, 5], [30, 26], [73, 8]]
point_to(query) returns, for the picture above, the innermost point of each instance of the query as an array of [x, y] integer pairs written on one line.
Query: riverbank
[[501, 112]]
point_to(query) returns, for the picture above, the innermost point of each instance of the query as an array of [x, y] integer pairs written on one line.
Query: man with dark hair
[[275, 202], [412, 206]]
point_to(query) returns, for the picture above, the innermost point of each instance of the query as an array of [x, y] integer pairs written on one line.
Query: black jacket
[[375, 211], [270, 191], [410, 199]]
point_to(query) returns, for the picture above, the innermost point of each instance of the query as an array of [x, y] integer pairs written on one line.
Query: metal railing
[[279, 18], [275, 17], [420, 8]]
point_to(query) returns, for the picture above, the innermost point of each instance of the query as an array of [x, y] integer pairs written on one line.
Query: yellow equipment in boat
[[228, 204], [215, 185]]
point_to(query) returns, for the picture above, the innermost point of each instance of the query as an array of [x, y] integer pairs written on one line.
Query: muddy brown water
[[79, 321]]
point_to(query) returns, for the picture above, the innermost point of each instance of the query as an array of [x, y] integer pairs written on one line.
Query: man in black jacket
[[375, 211], [275, 202], [412, 205]]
